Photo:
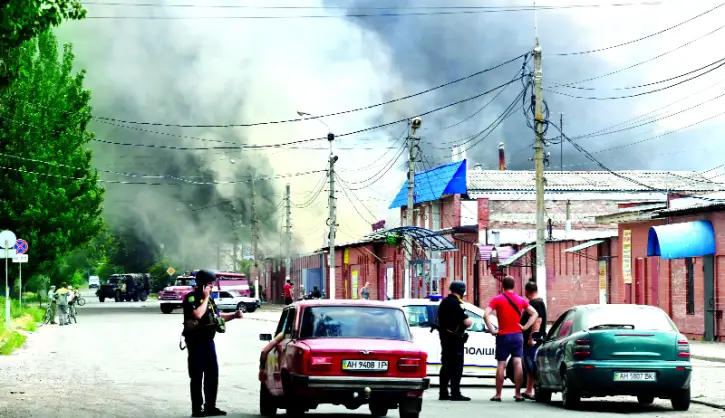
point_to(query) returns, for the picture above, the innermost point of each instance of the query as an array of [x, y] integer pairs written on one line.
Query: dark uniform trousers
[[451, 364], [203, 367]]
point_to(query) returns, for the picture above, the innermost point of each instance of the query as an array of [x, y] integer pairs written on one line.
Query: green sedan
[[608, 350]]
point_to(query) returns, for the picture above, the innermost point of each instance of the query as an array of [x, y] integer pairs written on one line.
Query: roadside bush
[[26, 319]]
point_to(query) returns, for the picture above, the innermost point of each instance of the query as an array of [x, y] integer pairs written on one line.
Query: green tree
[[23, 20], [49, 194]]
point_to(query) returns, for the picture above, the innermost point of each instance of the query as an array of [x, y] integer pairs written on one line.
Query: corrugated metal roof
[[486, 180], [526, 236], [431, 184]]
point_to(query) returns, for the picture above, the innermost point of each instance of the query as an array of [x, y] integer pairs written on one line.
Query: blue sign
[[21, 246]]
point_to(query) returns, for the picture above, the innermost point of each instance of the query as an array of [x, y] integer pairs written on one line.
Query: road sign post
[[7, 237], [21, 247], [170, 271]]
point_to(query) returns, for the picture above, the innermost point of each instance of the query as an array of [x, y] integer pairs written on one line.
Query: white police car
[[480, 360]]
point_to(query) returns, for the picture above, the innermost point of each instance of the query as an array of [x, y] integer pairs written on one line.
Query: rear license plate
[[635, 377], [365, 365]]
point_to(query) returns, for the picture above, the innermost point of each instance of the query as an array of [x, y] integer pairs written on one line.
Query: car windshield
[[354, 322], [629, 317], [184, 282], [113, 280]]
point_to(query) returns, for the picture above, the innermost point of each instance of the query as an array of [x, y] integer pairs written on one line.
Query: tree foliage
[[49, 192], [23, 20]]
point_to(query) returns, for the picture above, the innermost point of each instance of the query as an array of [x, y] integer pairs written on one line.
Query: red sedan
[[342, 352]]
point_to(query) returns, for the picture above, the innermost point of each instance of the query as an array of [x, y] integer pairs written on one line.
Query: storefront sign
[[627, 256], [602, 282], [378, 225]]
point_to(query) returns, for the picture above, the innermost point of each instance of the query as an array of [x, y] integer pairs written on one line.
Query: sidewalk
[[708, 351]]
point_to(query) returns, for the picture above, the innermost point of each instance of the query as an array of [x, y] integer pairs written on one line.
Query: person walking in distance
[[365, 291], [509, 337], [202, 320], [288, 288], [532, 294], [452, 324], [53, 304]]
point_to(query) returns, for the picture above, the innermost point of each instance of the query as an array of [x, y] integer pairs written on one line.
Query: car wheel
[[143, 296], [266, 402], [409, 414], [681, 400], [101, 299], [242, 307], [570, 397], [645, 400], [296, 411], [167, 309], [541, 395], [250, 310], [378, 411]]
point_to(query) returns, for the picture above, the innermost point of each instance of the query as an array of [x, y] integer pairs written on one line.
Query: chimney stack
[[454, 154], [501, 157]]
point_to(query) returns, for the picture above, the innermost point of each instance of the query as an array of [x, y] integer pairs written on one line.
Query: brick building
[[674, 258], [478, 210]]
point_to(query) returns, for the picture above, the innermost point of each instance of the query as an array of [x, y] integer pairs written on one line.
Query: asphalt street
[[123, 360]]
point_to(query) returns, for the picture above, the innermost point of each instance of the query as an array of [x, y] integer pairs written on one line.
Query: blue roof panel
[[681, 240], [431, 184]]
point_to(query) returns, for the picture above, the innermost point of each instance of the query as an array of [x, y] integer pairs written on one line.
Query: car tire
[[167, 309], [409, 414], [143, 296], [570, 397], [645, 399], [250, 310], [117, 297], [541, 395], [101, 299], [266, 402], [377, 410], [242, 307], [681, 400]]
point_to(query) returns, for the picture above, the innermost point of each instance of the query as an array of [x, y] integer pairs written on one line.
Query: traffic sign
[[170, 271], [21, 246], [9, 237], [20, 258]]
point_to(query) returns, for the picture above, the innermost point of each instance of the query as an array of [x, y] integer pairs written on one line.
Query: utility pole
[[333, 215], [288, 227], [412, 148], [561, 140], [254, 241], [539, 158]]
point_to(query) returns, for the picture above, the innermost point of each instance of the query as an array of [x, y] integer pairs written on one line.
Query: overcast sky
[[227, 71]]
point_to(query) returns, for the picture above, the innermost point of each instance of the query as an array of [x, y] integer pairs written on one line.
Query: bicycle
[[72, 313], [80, 301], [48, 314]]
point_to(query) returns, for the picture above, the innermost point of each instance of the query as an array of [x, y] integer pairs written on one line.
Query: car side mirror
[[265, 337]]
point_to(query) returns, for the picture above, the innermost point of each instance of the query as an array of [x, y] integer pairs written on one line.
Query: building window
[[690, 288]]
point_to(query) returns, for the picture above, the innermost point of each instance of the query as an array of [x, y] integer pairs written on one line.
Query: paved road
[[123, 360]]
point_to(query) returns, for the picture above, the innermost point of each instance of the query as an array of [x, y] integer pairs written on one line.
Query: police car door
[[420, 318], [480, 350]]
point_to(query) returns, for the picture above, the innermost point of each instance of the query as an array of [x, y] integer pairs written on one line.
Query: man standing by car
[[532, 294], [452, 324], [202, 320], [509, 337]]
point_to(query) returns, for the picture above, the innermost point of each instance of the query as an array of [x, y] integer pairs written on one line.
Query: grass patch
[[25, 319]]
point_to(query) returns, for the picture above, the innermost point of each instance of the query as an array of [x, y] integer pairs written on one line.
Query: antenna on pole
[[536, 23]]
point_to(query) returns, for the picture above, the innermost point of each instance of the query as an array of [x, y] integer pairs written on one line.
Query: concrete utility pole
[[333, 218], [539, 158], [288, 227], [561, 140], [254, 241], [412, 148]]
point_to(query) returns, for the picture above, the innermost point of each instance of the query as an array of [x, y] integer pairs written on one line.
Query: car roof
[[596, 307], [341, 302]]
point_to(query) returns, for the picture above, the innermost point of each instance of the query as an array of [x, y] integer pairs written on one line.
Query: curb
[[706, 403], [709, 358]]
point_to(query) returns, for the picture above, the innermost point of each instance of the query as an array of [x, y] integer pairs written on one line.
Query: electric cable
[[380, 174], [344, 188], [591, 51], [377, 160], [301, 119]]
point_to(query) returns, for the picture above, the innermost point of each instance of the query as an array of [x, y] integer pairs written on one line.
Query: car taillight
[[408, 363], [582, 349], [320, 361], [683, 348]]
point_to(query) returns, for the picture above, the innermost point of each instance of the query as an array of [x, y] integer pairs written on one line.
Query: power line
[[343, 112], [354, 206], [591, 51], [722, 62], [393, 146]]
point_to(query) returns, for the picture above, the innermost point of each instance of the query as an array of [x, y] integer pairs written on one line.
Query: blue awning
[[426, 238], [681, 240], [430, 185]]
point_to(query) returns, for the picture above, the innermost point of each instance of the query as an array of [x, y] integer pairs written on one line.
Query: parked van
[[94, 282]]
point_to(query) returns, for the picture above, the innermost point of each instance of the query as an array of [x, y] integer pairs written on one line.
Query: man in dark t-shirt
[[532, 294]]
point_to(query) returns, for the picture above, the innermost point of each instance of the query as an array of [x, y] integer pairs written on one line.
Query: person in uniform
[[53, 304], [452, 324], [202, 320], [61, 297]]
